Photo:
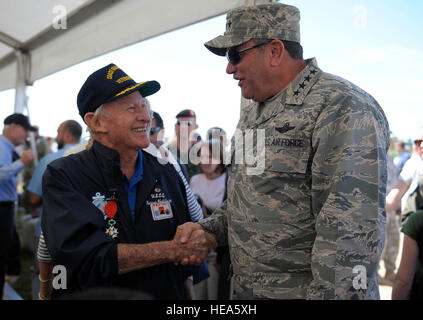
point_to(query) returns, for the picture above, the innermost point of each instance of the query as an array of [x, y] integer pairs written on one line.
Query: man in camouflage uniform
[[311, 224]]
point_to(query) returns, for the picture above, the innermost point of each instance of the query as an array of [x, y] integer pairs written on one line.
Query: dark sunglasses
[[418, 142], [154, 130], [234, 56], [189, 123]]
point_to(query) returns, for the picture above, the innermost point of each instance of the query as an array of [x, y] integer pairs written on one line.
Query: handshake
[[192, 244]]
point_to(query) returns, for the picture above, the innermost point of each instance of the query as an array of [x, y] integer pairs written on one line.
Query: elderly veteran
[[110, 212], [311, 225]]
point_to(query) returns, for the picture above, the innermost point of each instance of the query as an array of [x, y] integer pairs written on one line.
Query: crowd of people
[[131, 215]]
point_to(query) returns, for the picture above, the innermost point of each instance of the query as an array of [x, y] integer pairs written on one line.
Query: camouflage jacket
[[311, 224]]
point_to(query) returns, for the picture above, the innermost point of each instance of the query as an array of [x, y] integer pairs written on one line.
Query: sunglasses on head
[[189, 123], [234, 56], [418, 142], [154, 130]]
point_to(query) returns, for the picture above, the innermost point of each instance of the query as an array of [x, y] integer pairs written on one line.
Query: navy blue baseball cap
[[108, 84], [19, 118]]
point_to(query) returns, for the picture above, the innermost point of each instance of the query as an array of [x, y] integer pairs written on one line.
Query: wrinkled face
[[127, 121], [250, 73], [17, 134]]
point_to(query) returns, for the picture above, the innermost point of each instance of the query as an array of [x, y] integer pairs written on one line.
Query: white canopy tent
[[38, 38]]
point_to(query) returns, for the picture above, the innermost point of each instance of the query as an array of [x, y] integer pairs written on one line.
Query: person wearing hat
[[15, 132], [185, 145], [110, 212], [311, 224]]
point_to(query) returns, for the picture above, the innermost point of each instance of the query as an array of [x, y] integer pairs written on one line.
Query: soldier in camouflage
[[313, 220]]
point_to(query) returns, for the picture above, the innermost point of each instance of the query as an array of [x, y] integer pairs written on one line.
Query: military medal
[[110, 209]]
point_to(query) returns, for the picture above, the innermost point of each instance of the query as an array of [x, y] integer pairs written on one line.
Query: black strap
[[15, 156]]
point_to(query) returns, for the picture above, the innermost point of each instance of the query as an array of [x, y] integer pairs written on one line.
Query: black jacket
[[74, 228]]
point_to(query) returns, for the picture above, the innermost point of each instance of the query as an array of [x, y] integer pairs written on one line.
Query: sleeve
[[42, 251], [194, 208], [413, 226], [350, 140], [36, 183], [217, 225], [407, 173], [73, 232], [9, 170]]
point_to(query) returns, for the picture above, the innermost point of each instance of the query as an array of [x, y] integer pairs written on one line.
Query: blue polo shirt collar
[[131, 185]]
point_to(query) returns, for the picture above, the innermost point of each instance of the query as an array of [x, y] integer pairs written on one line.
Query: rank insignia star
[[307, 78], [296, 93], [302, 85], [313, 71]]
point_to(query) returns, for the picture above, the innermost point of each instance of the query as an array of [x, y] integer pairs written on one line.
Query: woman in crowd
[[210, 187], [409, 280]]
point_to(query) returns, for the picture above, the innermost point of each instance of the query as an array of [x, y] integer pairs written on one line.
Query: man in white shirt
[[396, 198], [411, 170]]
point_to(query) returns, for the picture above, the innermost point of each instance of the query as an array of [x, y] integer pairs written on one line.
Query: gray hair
[[150, 112], [97, 113]]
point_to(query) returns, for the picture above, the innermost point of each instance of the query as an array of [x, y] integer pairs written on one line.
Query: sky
[[376, 44]]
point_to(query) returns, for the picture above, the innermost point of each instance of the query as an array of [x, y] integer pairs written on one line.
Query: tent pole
[[21, 99], [23, 66]]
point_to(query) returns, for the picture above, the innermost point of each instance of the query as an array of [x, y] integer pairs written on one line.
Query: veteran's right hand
[[196, 243]]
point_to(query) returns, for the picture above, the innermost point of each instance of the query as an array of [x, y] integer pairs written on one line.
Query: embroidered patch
[[285, 128], [100, 202], [161, 210]]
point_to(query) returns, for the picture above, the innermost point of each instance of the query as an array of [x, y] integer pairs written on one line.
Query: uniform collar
[[298, 89], [293, 94]]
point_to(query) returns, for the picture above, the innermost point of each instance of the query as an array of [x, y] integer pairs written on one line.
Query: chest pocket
[[289, 153]]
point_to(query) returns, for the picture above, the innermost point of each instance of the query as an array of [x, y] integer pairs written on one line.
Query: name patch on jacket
[[160, 206], [280, 142]]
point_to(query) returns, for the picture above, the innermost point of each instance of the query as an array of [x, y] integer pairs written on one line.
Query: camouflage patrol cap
[[265, 21]]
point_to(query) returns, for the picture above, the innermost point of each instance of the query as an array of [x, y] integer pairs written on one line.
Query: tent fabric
[[93, 27]]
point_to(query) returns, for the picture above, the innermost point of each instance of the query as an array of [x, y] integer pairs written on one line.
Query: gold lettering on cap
[[123, 79], [111, 71]]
